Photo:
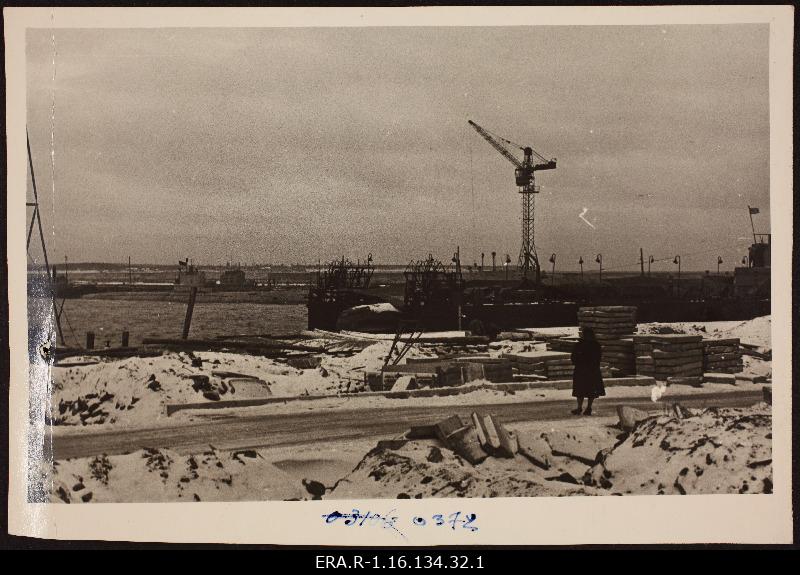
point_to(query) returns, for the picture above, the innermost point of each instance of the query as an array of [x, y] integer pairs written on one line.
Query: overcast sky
[[289, 145]]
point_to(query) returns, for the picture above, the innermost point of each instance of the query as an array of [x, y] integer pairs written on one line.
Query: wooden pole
[[37, 215], [641, 259], [187, 322]]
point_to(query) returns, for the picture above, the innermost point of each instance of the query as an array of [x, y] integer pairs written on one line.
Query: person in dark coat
[[587, 381]]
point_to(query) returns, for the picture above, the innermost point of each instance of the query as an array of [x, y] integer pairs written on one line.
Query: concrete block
[[405, 383], [720, 378], [693, 381]]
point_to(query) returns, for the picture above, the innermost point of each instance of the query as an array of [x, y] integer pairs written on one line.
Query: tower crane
[[531, 162]]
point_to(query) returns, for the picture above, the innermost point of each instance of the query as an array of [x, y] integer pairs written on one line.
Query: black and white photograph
[[325, 263]]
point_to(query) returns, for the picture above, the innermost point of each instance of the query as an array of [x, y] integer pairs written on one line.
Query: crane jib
[[526, 164]]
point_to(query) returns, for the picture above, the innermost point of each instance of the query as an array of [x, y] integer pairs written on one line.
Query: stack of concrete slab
[[613, 327], [722, 356], [493, 369], [550, 364], [669, 356], [565, 344]]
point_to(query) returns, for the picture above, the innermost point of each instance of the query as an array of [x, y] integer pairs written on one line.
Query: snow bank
[[158, 475], [713, 451], [135, 390]]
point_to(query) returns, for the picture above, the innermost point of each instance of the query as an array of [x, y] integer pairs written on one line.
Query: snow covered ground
[[134, 392], [704, 451]]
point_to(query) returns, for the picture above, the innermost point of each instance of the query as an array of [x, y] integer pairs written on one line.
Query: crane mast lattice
[[524, 177]]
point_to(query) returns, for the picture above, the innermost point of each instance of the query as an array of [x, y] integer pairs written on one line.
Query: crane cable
[[507, 141]]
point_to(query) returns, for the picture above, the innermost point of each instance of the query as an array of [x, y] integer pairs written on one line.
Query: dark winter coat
[[587, 381]]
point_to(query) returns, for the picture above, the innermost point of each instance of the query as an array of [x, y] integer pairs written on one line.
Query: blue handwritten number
[[419, 521], [351, 519], [470, 518], [439, 519], [454, 519]]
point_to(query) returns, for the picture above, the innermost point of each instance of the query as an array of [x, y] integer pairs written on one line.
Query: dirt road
[[337, 425]]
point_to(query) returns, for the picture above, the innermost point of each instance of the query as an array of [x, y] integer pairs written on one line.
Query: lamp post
[[494, 255], [580, 263], [719, 262], [553, 261], [677, 260], [599, 260], [508, 262], [482, 262], [650, 261]]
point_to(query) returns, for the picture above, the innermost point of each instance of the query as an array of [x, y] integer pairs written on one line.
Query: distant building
[[189, 276], [754, 280], [233, 278]]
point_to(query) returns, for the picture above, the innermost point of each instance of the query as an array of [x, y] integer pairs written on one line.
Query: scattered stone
[[629, 417], [536, 450]]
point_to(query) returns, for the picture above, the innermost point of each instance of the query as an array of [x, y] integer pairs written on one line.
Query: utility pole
[[494, 255], [482, 254], [553, 261], [641, 259], [580, 263], [599, 260], [677, 260], [719, 262]]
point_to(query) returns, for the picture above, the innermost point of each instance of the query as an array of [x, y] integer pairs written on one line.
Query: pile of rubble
[[691, 451], [672, 451]]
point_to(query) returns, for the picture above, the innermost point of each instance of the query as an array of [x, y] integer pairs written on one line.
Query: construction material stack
[[722, 356], [613, 327], [546, 364], [672, 356]]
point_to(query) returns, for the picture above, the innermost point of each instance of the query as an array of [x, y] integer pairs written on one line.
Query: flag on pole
[[753, 211]]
